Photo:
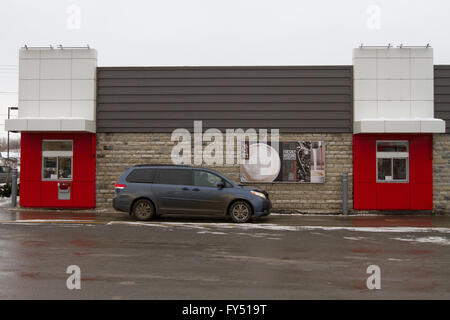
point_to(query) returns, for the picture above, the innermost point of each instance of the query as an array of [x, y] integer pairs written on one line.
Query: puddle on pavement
[[419, 252], [371, 251], [35, 243], [31, 254], [381, 221], [81, 254], [23, 215], [82, 243], [88, 279], [30, 275]]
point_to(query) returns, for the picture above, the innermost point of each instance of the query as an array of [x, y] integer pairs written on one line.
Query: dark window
[[57, 145], [142, 176], [206, 179], [392, 146], [64, 167], [399, 169], [50, 169], [174, 176], [384, 169]]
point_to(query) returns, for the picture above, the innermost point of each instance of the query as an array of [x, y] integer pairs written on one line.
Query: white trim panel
[[41, 124], [399, 126]]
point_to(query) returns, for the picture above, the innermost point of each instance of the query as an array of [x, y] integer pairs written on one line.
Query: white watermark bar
[[208, 147]]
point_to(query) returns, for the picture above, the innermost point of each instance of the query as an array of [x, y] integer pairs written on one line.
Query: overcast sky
[[216, 32]]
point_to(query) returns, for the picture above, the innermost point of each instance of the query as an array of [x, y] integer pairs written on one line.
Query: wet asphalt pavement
[[278, 257]]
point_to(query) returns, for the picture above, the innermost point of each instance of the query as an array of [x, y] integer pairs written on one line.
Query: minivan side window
[[206, 179], [174, 176], [141, 176]]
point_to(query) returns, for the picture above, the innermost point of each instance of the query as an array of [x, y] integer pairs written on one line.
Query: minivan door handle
[[196, 189], [185, 188]]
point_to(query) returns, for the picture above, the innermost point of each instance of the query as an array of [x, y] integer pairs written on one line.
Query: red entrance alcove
[[414, 194], [76, 191]]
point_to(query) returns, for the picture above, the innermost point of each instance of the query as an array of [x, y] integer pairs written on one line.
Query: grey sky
[[231, 32]]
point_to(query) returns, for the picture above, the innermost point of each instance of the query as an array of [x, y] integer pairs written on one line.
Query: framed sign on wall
[[295, 161]]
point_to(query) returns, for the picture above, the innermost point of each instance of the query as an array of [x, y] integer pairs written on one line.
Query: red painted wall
[[417, 194], [37, 193]]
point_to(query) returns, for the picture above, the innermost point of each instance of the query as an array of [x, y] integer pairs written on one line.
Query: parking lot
[[279, 257]]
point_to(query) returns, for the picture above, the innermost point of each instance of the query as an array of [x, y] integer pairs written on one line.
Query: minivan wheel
[[240, 212], [143, 210]]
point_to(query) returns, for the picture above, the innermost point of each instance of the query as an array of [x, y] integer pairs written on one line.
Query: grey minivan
[[147, 191]]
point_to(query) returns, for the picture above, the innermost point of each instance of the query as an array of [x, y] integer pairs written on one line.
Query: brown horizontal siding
[[219, 123], [148, 129], [161, 99], [268, 107], [224, 72], [224, 115], [442, 94], [224, 82], [241, 98], [226, 91]]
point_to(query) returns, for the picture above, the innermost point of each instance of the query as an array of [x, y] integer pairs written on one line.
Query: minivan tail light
[[120, 186]]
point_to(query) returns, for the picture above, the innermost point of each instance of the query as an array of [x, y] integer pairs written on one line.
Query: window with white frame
[[57, 158], [392, 161]]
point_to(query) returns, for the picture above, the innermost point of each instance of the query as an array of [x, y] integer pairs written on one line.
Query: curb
[[99, 213]]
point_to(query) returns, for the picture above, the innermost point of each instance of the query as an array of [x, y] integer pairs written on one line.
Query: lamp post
[[9, 114]]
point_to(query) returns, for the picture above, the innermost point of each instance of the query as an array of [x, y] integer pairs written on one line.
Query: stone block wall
[[116, 151], [441, 173]]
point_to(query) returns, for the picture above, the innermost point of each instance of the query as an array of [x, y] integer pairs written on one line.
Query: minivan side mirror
[[220, 185]]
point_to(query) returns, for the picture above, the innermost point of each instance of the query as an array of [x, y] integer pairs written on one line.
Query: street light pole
[[7, 154], [9, 114]]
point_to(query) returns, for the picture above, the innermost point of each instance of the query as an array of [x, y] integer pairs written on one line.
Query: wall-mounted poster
[[296, 161]]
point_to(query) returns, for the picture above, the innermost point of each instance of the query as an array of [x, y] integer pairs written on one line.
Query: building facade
[[381, 120], [56, 118], [394, 125]]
